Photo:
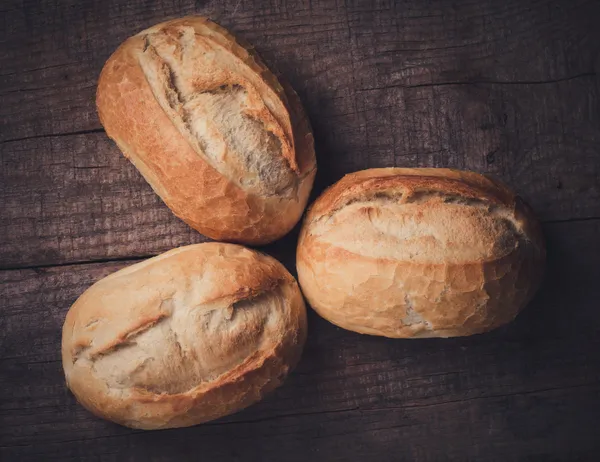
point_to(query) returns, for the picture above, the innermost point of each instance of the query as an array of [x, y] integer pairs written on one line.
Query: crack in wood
[[54, 135], [482, 82], [128, 259], [357, 409], [35, 69]]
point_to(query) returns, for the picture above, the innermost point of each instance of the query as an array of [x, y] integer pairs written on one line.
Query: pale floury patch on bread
[[213, 131], [189, 336], [419, 253]]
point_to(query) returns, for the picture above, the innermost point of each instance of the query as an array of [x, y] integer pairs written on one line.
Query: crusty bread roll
[[212, 130], [419, 253], [185, 337]]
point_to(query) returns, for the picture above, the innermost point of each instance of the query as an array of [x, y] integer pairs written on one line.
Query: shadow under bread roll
[[212, 130], [419, 253], [185, 337]]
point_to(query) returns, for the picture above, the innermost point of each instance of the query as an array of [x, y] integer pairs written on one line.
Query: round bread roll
[[419, 253], [217, 136], [185, 337]]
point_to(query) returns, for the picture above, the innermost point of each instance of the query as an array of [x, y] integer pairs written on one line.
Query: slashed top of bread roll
[[210, 128], [185, 337], [223, 107], [419, 215], [419, 252]]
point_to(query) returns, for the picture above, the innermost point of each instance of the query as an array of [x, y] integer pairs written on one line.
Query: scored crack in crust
[[419, 252], [221, 140], [186, 337], [220, 110]]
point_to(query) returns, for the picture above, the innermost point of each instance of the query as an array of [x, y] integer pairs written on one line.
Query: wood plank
[[420, 434], [509, 89], [75, 198], [330, 50], [529, 391]]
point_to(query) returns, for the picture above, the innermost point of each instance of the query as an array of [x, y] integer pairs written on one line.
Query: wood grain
[[509, 88], [76, 198], [487, 397], [340, 46]]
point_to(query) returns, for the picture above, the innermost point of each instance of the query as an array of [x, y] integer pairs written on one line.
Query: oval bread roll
[[419, 253], [185, 337], [226, 147]]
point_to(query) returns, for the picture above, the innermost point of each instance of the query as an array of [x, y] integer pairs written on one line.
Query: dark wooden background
[[510, 88]]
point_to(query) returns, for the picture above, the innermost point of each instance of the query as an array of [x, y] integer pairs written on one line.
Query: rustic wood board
[[510, 88], [530, 389]]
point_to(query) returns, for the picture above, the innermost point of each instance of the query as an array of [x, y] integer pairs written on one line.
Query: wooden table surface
[[510, 88]]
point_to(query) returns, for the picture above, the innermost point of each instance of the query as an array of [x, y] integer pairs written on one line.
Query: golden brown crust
[[164, 110], [409, 181], [419, 253], [189, 336]]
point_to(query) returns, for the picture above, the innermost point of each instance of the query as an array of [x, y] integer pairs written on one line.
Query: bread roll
[[185, 337], [225, 146], [419, 253]]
